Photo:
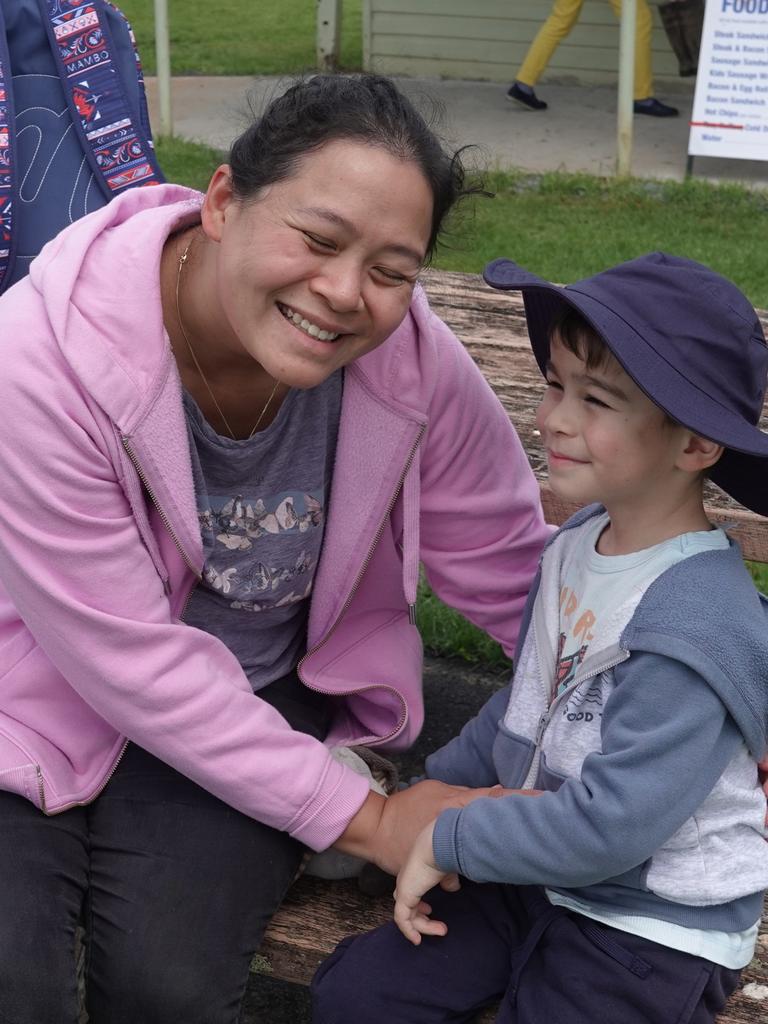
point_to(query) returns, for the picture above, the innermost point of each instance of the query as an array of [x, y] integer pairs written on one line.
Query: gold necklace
[[198, 367]]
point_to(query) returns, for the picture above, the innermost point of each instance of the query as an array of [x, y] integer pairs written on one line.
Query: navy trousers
[[173, 886], [506, 943]]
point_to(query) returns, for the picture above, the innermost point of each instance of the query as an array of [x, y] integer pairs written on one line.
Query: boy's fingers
[[450, 883], [426, 926], [405, 921], [408, 930], [414, 923]]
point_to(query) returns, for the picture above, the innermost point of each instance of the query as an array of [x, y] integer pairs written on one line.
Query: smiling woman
[[243, 430], [311, 273]]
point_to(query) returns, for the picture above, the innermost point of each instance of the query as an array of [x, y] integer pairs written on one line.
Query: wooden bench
[[316, 915]]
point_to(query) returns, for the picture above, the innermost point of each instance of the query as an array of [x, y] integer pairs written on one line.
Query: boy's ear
[[699, 454]]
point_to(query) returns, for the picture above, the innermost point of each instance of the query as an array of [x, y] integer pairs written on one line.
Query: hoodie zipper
[[166, 586], [356, 583], [546, 717], [160, 511], [78, 803]]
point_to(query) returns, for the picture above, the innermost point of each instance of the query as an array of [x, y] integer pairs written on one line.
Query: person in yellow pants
[[562, 18]]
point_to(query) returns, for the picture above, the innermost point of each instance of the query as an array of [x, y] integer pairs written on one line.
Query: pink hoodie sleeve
[[482, 527]]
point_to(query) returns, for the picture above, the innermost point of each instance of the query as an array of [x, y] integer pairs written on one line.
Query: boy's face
[[604, 438]]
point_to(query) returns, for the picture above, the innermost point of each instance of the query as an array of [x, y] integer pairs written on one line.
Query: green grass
[[187, 163], [564, 227], [567, 226], [447, 634], [242, 37], [759, 574]]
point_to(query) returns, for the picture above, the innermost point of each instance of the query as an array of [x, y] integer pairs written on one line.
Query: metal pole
[[163, 57], [627, 35], [328, 34]]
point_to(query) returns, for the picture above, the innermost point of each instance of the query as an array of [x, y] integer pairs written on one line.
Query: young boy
[[630, 889]]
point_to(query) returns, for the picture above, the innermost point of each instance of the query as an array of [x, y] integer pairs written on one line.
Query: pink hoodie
[[100, 544]]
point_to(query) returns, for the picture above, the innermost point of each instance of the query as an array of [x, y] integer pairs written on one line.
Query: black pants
[[545, 964], [174, 887]]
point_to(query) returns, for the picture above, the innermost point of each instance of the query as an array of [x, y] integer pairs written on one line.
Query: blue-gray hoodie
[[648, 759]]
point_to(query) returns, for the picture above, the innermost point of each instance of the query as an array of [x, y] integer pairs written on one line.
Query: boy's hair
[[580, 338]]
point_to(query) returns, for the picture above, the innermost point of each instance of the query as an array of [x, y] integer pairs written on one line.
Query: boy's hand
[[419, 875]]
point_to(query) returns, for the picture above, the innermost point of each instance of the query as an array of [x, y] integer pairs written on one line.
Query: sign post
[[626, 84], [730, 106], [163, 59], [328, 31]]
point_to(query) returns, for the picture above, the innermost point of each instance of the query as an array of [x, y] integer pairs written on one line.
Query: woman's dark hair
[[359, 108]]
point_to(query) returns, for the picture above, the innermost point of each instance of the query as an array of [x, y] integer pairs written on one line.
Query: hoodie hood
[[99, 322]]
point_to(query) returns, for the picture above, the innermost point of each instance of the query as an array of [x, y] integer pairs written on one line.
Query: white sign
[[730, 107]]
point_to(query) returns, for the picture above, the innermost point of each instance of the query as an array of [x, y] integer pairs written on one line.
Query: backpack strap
[[143, 110], [118, 150], [7, 157]]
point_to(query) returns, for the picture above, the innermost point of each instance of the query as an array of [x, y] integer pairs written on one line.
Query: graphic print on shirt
[[576, 624], [261, 552], [585, 705]]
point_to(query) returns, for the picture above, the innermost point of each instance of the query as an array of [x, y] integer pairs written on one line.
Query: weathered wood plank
[[314, 917], [317, 915]]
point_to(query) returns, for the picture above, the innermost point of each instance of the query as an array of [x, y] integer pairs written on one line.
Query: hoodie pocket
[[512, 756], [547, 778], [18, 772]]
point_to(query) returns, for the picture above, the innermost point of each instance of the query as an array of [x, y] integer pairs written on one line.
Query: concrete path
[[576, 133]]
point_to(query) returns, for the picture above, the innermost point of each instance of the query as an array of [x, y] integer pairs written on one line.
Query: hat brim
[[742, 467]]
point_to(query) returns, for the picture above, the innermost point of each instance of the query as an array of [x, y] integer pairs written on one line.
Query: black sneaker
[[654, 108], [528, 99]]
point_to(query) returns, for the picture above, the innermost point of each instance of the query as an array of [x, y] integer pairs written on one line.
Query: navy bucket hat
[[687, 337]]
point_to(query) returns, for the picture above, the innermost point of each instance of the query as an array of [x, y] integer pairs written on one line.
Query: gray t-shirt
[[261, 504]]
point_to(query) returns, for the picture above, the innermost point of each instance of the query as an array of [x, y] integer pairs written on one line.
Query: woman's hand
[[385, 828], [419, 875]]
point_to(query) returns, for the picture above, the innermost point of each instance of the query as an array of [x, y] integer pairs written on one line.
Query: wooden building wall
[[487, 39]]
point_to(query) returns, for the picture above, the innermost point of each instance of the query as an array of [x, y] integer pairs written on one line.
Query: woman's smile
[[310, 326], [326, 248]]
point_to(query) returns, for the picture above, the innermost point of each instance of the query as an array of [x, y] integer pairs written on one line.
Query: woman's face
[[318, 269]]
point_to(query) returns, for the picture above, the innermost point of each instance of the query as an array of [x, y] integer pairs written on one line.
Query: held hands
[[419, 875], [384, 829]]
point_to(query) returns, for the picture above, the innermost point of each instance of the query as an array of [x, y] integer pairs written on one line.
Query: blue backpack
[[74, 127]]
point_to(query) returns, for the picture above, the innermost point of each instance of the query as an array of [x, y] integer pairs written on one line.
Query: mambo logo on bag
[[74, 127], [81, 41], [745, 7]]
